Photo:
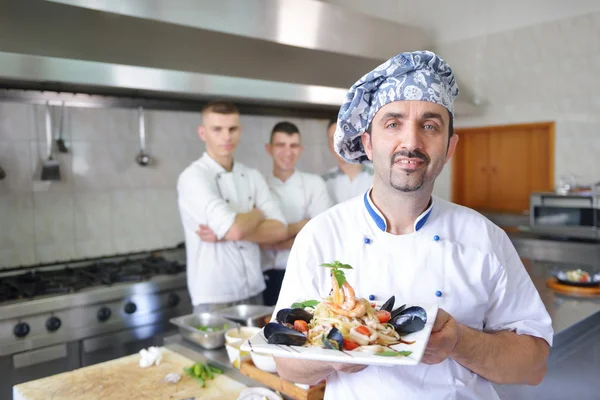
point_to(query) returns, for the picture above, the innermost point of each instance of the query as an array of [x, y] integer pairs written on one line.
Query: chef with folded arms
[[346, 180], [491, 325], [227, 211], [300, 195]]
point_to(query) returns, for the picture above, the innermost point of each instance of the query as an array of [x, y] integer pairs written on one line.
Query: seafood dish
[[578, 277], [344, 322]]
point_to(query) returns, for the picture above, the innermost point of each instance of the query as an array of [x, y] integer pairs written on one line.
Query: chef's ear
[[366, 142], [202, 133], [269, 149], [451, 146]]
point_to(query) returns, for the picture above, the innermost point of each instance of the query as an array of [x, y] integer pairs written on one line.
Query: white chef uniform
[[455, 258], [225, 271], [342, 188], [301, 196]]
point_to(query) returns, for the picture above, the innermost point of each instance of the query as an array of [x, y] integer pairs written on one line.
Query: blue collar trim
[[380, 220]]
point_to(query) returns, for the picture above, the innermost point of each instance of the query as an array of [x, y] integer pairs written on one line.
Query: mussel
[[398, 310], [388, 305], [290, 315], [409, 320], [334, 340], [279, 334]]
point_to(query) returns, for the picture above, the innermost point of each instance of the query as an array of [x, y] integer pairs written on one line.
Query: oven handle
[[39, 356]]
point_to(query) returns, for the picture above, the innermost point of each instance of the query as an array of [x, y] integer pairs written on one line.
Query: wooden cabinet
[[496, 168]]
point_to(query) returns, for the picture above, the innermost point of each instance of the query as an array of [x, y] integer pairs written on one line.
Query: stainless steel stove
[[55, 318]]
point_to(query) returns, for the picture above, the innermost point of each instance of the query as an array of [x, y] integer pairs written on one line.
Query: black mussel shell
[[334, 340], [295, 315], [279, 334], [410, 320], [398, 310], [282, 314], [389, 305]]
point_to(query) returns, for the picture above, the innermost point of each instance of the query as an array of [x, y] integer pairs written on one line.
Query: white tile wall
[[547, 72], [105, 203]]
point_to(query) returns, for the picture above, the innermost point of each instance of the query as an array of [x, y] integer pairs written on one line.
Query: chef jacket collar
[[215, 166], [380, 220]]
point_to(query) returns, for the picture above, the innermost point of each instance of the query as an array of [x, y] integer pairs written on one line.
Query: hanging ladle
[[142, 158], [60, 142]]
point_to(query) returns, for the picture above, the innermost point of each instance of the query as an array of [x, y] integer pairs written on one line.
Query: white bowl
[[265, 362], [236, 337]]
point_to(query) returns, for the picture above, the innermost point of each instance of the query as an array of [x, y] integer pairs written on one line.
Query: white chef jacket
[[301, 196], [342, 188], [225, 271], [454, 251]]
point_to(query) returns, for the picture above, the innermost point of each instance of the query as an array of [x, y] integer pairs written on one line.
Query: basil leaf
[[307, 303], [392, 353], [340, 277]]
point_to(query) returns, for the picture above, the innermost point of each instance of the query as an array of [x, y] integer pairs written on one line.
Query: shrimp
[[358, 311], [343, 297]]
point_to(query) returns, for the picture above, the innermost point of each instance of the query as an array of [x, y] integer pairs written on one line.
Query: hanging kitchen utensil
[[50, 167], [142, 158], [2, 174], [60, 143]]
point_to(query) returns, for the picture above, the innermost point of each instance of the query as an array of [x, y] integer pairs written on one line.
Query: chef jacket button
[[367, 240], [438, 293], [371, 297], [436, 238]]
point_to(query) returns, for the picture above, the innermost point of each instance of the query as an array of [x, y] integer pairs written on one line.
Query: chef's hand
[[348, 368], [442, 340], [206, 234]]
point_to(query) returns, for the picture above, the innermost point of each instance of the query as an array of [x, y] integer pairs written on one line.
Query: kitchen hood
[[291, 53]]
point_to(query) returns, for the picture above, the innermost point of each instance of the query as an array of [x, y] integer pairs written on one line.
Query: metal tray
[[209, 340], [247, 314]]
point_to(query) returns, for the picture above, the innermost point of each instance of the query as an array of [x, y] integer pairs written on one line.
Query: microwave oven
[[573, 215]]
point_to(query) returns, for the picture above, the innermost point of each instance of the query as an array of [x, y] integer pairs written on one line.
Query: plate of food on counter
[[578, 277], [348, 329]]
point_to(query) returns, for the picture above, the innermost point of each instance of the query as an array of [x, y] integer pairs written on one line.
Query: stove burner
[[67, 280]]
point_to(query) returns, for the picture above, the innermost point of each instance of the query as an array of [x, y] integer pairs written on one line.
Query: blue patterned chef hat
[[418, 75]]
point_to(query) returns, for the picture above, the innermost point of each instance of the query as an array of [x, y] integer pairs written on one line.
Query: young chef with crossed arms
[[300, 195], [492, 325], [227, 210]]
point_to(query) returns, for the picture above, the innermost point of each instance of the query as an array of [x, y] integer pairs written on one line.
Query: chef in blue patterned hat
[[491, 325]]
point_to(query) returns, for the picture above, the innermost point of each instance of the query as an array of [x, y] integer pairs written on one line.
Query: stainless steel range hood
[[272, 52]]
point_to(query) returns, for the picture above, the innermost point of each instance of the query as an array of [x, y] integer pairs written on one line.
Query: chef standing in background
[[227, 210], [346, 180], [301, 196]]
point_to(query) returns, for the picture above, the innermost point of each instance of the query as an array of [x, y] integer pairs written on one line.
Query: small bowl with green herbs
[[205, 329]]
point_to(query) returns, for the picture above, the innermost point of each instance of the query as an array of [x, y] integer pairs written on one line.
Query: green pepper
[[215, 369], [209, 373]]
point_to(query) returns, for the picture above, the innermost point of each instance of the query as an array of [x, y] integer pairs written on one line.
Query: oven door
[[36, 364], [107, 347], [569, 216]]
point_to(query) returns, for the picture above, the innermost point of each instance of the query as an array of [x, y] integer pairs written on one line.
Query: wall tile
[[53, 218], [16, 221], [92, 215], [15, 160], [16, 122]]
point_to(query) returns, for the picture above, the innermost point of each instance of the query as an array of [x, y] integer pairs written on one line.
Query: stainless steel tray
[[247, 314], [209, 340]]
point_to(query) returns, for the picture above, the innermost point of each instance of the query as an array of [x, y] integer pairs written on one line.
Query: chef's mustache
[[410, 154]]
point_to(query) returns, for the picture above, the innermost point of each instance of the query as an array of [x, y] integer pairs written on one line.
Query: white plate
[[259, 344]]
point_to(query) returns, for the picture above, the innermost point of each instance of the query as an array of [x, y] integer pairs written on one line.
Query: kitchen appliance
[[570, 215], [55, 318]]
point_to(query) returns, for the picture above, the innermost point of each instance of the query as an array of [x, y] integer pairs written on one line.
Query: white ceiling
[[451, 20]]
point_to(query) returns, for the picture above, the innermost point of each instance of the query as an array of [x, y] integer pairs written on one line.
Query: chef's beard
[[410, 181]]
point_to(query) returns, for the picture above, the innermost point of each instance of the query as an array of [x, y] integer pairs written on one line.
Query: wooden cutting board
[[122, 379]]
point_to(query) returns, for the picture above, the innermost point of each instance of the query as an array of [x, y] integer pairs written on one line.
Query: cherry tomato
[[373, 305], [383, 316], [301, 325], [363, 330], [349, 344]]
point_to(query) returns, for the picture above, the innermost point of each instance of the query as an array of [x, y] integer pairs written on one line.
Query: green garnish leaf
[[337, 265], [305, 304], [392, 353], [340, 277]]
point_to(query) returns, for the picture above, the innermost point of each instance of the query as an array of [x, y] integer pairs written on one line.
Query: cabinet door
[[472, 154], [519, 164]]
